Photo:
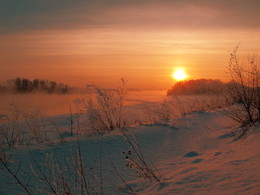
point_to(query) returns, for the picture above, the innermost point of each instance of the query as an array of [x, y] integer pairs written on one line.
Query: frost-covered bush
[[137, 162], [20, 127], [103, 112], [245, 88]]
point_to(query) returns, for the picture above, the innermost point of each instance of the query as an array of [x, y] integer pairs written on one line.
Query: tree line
[[24, 85], [198, 86]]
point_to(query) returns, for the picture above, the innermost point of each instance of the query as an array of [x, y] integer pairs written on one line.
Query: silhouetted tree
[[52, 87], [18, 84], [36, 84], [43, 85], [26, 85]]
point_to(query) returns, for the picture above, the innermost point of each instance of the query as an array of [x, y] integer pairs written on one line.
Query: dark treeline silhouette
[[199, 86], [23, 85]]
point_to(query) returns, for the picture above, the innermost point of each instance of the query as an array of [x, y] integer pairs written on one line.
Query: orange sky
[[98, 42]]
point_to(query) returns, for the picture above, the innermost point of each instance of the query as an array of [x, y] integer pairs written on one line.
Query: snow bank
[[197, 155]]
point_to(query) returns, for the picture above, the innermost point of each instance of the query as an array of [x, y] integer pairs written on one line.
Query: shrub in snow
[[136, 161], [104, 111], [245, 89]]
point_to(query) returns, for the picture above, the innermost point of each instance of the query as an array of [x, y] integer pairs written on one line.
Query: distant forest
[[199, 86], [23, 85]]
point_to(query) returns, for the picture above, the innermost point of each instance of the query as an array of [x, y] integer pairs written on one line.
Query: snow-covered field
[[189, 151]]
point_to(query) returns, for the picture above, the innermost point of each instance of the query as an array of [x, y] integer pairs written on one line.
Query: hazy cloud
[[26, 15]]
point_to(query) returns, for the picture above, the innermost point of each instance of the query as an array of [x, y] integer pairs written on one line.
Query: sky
[[98, 42]]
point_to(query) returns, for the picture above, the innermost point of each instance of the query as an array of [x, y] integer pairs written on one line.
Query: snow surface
[[197, 155]]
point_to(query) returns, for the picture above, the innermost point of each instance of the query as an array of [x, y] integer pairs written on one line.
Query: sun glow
[[179, 75]]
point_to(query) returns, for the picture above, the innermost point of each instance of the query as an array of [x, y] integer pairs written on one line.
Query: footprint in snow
[[226, 136], [191, 154], [217, 153], [197, 161]]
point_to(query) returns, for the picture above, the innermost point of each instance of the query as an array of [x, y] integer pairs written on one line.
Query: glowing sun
[[179, 75]]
